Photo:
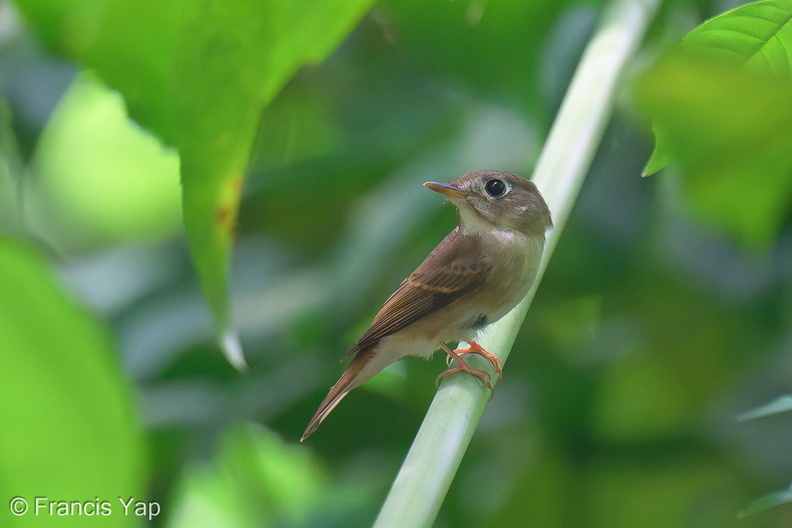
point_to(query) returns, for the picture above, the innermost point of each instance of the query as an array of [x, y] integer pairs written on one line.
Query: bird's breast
[[512, 261]]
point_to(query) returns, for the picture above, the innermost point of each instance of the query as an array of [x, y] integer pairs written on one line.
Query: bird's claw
[[495, 361], [462, 366]]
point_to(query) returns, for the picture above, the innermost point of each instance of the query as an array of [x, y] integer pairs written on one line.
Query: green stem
[[430, 466]]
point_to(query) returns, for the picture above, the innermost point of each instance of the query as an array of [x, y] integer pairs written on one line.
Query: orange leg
[[495, 361], [462, 366]]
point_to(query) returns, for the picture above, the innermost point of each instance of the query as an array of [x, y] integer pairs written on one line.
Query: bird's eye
[[495, 188]]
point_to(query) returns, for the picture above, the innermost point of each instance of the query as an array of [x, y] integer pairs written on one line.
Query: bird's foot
[[475, 348], [462, 366]]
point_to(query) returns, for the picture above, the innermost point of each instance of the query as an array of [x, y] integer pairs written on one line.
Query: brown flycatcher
[[475, 276]]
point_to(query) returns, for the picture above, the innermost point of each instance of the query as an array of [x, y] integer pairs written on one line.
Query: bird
[[475, 276]]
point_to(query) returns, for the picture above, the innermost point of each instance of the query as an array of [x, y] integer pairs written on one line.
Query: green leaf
[[779, 405], [659, 158], [256, 480], [87, 138], [198, 73], [768, 501], [756, 35], [67, 427], [720, 106]]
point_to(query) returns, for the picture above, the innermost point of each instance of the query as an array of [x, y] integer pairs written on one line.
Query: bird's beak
[[445, 189]]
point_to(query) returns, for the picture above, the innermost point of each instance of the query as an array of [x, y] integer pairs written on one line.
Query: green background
[[666, 311]]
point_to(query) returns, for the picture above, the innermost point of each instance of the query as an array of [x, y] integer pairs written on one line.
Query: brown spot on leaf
[[226, 213]]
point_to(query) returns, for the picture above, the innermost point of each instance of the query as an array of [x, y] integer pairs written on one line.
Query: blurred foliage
[[720, 105], [172, 66], [60, 380], [770, 500], [88, 138], [778, 405], [653, 329]]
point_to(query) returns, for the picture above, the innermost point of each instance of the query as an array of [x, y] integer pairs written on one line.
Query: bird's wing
[[451, 270]]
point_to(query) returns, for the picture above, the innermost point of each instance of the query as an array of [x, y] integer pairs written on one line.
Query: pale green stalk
[[430, 466]]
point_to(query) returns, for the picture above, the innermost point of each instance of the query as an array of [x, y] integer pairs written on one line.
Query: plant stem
[[430, 466]]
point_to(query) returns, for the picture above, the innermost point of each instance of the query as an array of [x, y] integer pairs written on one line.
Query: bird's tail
[[358, 371]]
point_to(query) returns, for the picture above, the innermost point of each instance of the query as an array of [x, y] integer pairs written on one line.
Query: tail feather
[[355, 374]]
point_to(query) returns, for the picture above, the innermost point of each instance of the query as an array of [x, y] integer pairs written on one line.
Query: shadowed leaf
[[198, 73]]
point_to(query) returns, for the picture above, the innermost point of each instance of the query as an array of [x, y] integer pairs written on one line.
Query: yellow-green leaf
[[67, 427]]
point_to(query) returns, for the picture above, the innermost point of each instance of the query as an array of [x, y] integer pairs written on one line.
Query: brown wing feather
[[452, 269]]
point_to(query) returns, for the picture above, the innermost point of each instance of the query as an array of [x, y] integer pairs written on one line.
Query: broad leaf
[[197, 73], [67, 427], [755, 35], [721, 104]]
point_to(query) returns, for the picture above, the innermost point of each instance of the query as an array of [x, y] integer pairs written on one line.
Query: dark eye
[[495, 187]]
